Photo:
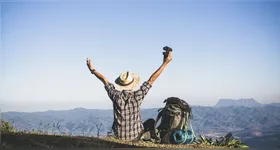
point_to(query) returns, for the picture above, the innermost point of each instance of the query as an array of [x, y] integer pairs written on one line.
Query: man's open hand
[[167, 57], [89, 64]]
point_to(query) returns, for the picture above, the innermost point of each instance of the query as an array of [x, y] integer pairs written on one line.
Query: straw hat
[[127, 81]]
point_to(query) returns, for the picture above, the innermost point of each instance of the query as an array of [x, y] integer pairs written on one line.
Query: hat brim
[[130, 86]]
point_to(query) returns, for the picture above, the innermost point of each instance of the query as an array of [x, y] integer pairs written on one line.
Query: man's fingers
[[164, 54], [88, 60]]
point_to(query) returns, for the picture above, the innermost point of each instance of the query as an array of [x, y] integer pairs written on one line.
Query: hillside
[[209, 121], [24, 140], [19, 139]]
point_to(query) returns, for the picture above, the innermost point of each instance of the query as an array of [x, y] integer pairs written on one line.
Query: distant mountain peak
[[247, 102], [79, 108]]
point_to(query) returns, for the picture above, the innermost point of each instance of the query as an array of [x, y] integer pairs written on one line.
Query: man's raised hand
[[97, 74], [89, 64], [167, 57]]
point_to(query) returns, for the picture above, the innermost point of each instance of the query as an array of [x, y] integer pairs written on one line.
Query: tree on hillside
[[98, 127]]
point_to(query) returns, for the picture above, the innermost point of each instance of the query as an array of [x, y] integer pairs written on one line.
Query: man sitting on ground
[[127, 123]]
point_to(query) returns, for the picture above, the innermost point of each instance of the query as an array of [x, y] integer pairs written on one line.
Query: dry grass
[[28, 140]]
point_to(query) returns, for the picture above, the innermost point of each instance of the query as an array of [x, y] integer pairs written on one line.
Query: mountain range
[[249, 102], [252, 123]]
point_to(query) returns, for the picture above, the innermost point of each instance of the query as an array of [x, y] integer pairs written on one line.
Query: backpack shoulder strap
[[158, 116]]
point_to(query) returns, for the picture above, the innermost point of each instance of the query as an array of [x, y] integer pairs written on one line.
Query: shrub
[[6, 127]]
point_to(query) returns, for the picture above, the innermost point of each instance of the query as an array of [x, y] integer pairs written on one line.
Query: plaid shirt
[[127, 123]]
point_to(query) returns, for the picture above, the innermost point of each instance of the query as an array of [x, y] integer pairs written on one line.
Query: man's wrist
[[92, 71]]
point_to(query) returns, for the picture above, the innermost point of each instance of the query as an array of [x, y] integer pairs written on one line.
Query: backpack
[[174, 118]]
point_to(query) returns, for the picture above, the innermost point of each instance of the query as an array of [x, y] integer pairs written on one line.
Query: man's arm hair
[[155, 75], [100, 76]]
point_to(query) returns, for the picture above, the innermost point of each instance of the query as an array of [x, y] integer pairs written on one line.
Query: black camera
[[167, 49]]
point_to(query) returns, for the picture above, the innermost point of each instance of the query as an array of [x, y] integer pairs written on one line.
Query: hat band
[[123, 84]]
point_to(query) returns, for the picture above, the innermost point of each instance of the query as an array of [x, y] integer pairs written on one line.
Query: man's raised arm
[[167, 57], [97, 74]]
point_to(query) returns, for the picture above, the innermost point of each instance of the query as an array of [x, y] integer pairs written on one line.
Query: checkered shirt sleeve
[[111, 91], [142, 92]]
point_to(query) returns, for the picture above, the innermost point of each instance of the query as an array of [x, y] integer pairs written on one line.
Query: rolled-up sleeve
[[111, 91], [142, 92]]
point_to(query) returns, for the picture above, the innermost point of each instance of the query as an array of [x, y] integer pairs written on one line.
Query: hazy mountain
[[210, 121], [261, 137], [240, 102], [273, 104]]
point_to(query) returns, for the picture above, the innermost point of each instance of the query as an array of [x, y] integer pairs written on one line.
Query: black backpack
[[175, 115]]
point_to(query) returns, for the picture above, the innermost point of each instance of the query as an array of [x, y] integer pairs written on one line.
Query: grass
[[11, 138], [32, 140]]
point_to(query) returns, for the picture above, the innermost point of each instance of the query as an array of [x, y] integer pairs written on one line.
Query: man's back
[[127, 121]]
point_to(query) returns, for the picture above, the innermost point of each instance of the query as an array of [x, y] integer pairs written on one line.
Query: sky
[[220, 50]]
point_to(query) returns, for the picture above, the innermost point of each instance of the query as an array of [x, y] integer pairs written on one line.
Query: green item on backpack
[[175, 115]]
